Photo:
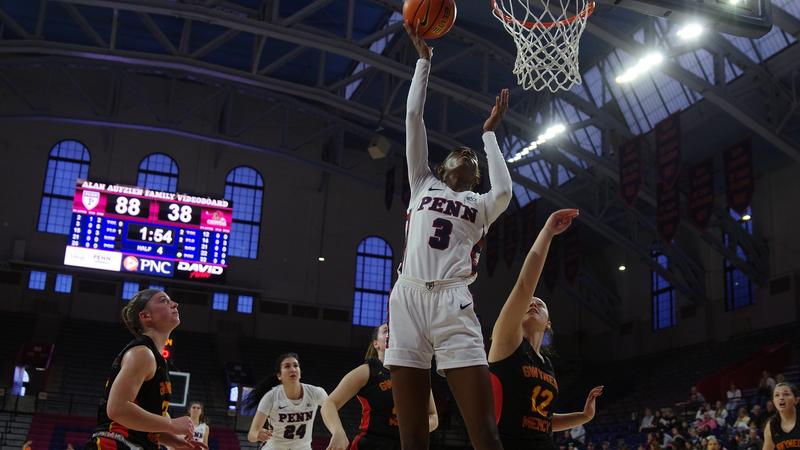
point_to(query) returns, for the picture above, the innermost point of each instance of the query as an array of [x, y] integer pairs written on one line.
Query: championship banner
[[701, 193], [388, 193], [529, 225], [510, 238], [739, 178], [668, 150], [491, 249], [668, 211], [572, 255], [630, 170]]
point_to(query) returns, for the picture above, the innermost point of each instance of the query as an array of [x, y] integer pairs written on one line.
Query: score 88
[[130, 206]]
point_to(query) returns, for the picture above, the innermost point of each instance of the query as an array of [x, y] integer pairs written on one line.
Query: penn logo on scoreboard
[[90, 199]]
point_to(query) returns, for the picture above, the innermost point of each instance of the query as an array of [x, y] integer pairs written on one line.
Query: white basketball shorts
[[433, 318]]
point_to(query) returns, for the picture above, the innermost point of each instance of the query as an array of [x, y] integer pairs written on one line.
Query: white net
[[547, 34]]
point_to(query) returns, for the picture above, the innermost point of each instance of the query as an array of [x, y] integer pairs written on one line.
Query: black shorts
[[533, 444], [366, 442], [102, 443]]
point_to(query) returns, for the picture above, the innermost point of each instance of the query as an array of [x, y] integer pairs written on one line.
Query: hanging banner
[[668, 150], [491, 249], [529, 228], [630, 170], [551, 265], [406, 194], [701, 193], [510, 238], [388, 192], [572, 255], [739, 177], [668, 211]]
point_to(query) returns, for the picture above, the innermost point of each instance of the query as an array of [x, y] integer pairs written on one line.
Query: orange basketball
[[436, 17]]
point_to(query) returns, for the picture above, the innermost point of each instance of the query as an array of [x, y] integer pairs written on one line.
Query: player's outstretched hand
[[498, 111], [425, 52], [338, 442], [560, 220], [589, 408]]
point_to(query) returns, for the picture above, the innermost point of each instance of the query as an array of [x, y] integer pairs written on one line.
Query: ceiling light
[[690, 31], [746, 217], [643, 65], [621, 268], [321, 259]]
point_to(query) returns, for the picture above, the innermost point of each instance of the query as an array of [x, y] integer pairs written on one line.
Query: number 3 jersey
[[291, 420], [525, 390], [444, 232]]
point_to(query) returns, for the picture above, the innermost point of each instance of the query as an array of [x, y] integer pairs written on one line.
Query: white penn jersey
[[200, 432], [444, 232], [444, 228], [292, 421]]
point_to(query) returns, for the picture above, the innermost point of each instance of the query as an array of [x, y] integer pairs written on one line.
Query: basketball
[[436, 17]]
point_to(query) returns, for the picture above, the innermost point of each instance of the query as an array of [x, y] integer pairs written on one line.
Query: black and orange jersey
[[784, 440], [378, 416], [525, 390], [153, 397]]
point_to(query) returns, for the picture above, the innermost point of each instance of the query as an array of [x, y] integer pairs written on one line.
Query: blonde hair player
[[430, 307], [523, 403], [372, 384], [134, 412]]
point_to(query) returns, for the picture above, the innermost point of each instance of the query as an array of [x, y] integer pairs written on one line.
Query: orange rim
[[529, 24]]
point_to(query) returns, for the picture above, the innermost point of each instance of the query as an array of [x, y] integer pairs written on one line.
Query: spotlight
[[643, 65], [321, 259], [746, 218], [621, 268]]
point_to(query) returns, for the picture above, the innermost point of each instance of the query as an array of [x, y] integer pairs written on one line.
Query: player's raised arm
[[507, 331], [499, 195], [416, 136]]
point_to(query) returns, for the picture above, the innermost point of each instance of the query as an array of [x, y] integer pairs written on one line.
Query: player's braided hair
[[440, 169], [137, 303], [775, 420]]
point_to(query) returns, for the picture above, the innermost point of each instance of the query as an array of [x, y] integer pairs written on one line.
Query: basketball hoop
[[547, 41]]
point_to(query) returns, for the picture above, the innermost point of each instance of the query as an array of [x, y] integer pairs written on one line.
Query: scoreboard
[[132, 229]]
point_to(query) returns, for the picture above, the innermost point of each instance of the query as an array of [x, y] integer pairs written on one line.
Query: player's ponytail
[[372, 353], [137, 303], [267, 383], [775, 420]]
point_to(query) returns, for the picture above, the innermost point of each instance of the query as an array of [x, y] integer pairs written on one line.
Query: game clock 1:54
[[150, 234]]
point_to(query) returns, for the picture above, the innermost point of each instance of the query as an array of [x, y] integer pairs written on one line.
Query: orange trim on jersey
[[354, 444], [106, 444], [366, 413], [497, 390]]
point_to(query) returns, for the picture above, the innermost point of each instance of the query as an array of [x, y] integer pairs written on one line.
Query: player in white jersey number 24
[[430, 307], [285, 413]]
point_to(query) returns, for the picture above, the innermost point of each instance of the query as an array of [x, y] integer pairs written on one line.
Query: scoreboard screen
[[137, 230]]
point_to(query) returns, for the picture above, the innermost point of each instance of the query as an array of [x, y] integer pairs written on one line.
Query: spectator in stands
[[704, 408], [590, 445], [748, 440], [707, 424], [578, 434], [713, 443], [647, 424], [70, 447], [27, 445], [721, 415], [693, 437], [734, 395], [780, 378], [757, 416], [134, 411], [669, 437], [667, 421], [695, 397], [605, 445], [770, 410], [742, 420], [765, 386]]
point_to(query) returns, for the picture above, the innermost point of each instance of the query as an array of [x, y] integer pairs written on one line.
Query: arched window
[[245, 188], [68, 161], [158, 172], [373, 282], [739, 289]]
